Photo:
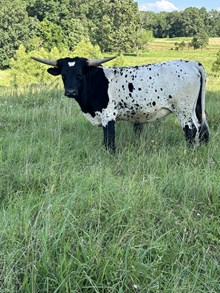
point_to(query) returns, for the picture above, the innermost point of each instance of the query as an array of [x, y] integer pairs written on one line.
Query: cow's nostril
[[71, 93]]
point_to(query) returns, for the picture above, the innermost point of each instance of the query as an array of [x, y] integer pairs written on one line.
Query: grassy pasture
[[163, 50], [77, 219]]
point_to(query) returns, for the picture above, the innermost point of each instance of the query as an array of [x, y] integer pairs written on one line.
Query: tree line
[[186, 23], [113, 25]]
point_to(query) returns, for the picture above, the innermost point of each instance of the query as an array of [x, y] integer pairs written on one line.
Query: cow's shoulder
[[96, 90]]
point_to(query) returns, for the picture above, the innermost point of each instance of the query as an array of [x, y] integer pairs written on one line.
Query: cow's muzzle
[[71, 93]]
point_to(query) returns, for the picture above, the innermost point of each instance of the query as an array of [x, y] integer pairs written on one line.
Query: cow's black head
[[72, 71]]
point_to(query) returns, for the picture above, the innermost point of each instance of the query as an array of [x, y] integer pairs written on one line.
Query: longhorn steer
[[138, 94]]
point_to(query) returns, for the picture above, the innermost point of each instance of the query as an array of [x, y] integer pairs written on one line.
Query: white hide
[[149, 92]]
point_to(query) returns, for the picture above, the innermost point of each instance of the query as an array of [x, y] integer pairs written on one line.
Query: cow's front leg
[[109, 136]]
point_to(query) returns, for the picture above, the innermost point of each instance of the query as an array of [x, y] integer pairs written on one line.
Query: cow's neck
[[94, 94]]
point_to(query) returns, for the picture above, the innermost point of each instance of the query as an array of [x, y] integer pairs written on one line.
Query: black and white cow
[[138, 94]]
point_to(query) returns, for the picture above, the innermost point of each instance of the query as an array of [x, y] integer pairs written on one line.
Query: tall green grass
[[76, 219]]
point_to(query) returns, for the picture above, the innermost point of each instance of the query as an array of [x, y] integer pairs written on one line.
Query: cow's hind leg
[[190, 133], [196, 133], [204, 128], [204, 132], [138, 128], [191, 128]]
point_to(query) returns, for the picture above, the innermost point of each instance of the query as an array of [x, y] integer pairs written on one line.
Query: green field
[[74, 218]]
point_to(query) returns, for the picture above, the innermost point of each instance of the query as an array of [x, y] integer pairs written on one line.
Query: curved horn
[[97, 62], [48, 62]]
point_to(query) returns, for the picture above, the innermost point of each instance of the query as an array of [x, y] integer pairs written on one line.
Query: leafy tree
[[162, 28], [51, 34], [87, 50], [118, 26], [62, 23], [105, 37], [192, 21], [74, 30], [114, 25], [16, 28], [143, 37], [110, 24], [180, 45], [174, 24], [157, 22], [204, 14], [148, 20], [214, 23], [53, 10], [26, 71], [182, 23], [216, 64], [200, 40]]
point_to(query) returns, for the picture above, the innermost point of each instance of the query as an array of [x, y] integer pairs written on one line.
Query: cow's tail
[[200, 106]]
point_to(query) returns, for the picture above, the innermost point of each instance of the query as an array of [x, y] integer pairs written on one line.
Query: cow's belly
[[143, 116], [102, 118]]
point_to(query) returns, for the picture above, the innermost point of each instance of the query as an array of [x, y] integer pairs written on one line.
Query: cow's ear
[[54, 71]]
